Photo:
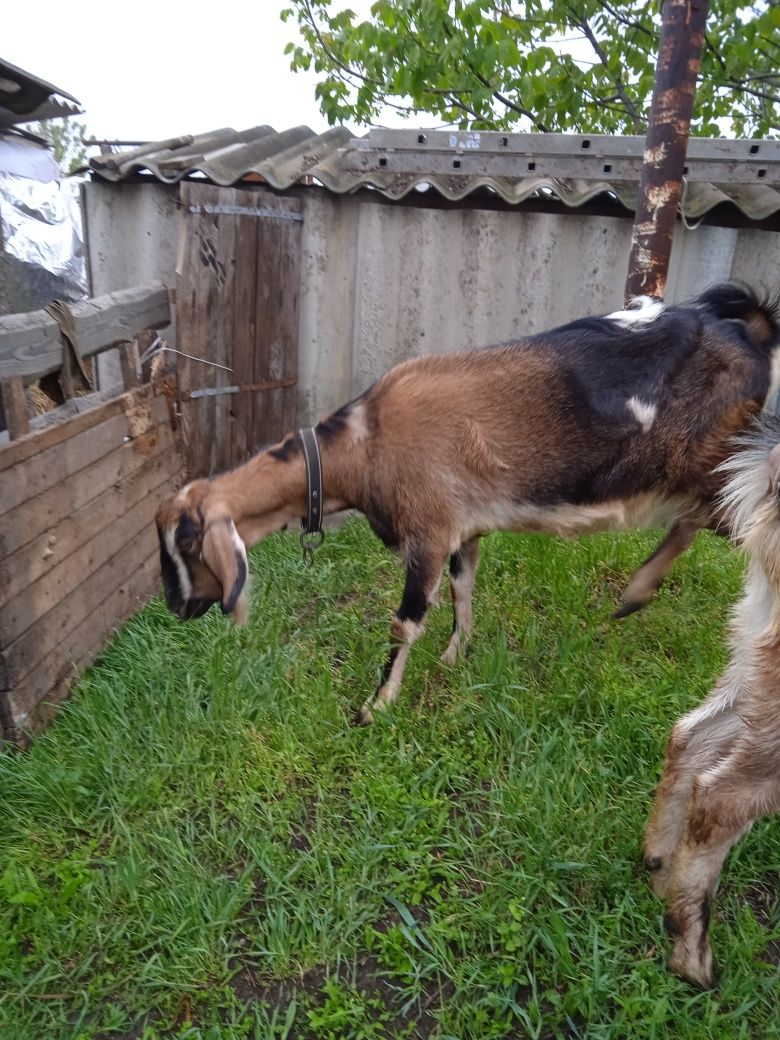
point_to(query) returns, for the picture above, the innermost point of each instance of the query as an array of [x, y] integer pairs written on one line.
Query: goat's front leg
[[422, 579], [463, 569], [698, 742], [649, 578], [724, 803]]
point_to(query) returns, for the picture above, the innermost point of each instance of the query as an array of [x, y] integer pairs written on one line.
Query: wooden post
[[14, 402], [660, 186], [128, 364]]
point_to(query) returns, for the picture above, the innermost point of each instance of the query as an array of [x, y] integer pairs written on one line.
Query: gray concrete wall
[[132, 235], [382, 283]]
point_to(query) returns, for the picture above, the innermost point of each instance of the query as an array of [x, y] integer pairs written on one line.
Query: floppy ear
[[225, 556]]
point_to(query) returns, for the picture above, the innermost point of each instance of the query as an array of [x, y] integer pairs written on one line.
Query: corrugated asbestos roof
[[572, 167], [24, 97]]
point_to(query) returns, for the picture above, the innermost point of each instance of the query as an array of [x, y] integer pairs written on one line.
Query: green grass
[[202, 846]]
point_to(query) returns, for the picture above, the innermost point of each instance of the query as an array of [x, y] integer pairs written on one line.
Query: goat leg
[[698, 742], [650, 576], [422, 579], [723, 806], [463, 569]]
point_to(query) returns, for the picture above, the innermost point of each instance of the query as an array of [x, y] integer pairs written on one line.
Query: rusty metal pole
[[660, 186]]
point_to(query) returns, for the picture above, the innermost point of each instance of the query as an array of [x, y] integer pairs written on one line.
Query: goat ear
[[774, 469], [225, 555]]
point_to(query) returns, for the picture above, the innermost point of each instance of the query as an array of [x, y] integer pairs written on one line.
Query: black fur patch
[[388, 667], [186, 533], [456, 564], [414, 602], [671, 924], [335, 424], [382, 525], [170, 578], [704, 913], [288, 449]]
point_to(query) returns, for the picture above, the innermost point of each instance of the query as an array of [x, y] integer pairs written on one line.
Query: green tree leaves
[[559, 65], [65, 137]]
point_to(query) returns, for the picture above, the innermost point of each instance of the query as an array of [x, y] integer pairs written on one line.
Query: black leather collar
[[312, 535]]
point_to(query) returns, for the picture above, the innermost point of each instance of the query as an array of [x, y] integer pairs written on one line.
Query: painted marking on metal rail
[[244, 211]]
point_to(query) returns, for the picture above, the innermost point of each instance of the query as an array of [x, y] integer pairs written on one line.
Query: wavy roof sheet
[[24, 98], [572, 167]]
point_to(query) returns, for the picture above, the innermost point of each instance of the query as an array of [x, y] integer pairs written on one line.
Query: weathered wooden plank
[[55, 464], [14, 402], [243, 340], [30, 344], [128, 363], [30, 649], [45, 511], [44, 470], [37, 599], [276, 321], [204, 316], [38, 440], [30, 340], [43, 554], [32, 702]]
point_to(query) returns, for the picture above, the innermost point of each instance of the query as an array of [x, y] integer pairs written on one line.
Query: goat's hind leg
[[648, 579], [423, 574], [698, 742], [463, 569], [724, 804]]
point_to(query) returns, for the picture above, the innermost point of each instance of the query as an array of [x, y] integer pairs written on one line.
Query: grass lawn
[[202, 846]]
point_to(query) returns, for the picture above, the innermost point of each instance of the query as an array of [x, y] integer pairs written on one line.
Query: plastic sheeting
[[42, 253]]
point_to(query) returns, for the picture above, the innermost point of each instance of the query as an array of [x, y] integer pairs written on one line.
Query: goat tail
[[736, 301]]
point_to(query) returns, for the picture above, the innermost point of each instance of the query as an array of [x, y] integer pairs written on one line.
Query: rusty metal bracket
[[248, 388]]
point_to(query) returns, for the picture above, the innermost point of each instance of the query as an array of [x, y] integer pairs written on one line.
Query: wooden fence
[[78, 549]]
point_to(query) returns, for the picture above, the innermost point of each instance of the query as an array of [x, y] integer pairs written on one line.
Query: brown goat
[[722, 768], [603, 424]]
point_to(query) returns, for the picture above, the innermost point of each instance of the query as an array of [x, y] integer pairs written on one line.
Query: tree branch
[[630, 23], [499, 96], [619, 87]]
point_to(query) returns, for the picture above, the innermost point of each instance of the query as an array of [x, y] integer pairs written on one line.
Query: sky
[[148, 70]]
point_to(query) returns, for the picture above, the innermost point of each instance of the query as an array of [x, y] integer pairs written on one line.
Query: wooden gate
[[237, 287]]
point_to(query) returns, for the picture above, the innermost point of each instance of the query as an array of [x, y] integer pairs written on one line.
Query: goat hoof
[[450, 656], [627, 608], [364, 717], [695, 968]]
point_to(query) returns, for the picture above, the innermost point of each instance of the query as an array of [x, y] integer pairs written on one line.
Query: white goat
[[722, 768]]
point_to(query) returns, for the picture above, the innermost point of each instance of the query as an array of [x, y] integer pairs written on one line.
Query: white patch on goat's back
[[185, 585], [643, 412], [647, 309], [357, 422]]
